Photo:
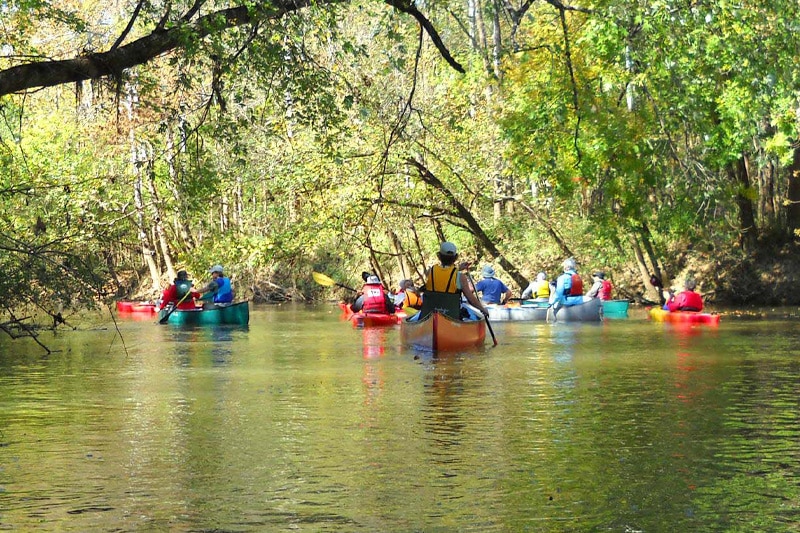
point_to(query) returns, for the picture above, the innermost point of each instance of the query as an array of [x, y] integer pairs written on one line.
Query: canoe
[[685, 317], [589, 311], [124, 306], [615, 308], [371, 320], [237, 314], [439, 333], [527, 310]]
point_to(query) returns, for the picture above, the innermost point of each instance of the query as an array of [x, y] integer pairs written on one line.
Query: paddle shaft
[[174, 307], [486, 316]]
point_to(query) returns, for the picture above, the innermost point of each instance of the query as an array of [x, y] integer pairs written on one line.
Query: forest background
[[281, 138]]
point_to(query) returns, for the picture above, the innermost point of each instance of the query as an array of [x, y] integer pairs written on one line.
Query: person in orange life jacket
[[219, 289], [569, 286], [176, 292], [493, 291], [445, 284], [407, 296], [601, 288], [687, 300], [373, 298]]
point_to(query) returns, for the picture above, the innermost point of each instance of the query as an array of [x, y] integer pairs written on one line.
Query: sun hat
[[448, 248], [371, 280], [216, 268], [599, 274], [487, 272]]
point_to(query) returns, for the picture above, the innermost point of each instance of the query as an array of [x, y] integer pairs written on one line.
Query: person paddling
[[180, 292], [444, 285], [219, 289]]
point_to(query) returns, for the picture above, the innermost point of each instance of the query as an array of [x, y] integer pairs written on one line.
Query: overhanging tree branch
[[118, 58]]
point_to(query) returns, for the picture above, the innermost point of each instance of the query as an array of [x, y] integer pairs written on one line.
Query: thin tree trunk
[[748, 231], [137, 161], [158, 226], [472, 224], [793, 191], [181, 222]]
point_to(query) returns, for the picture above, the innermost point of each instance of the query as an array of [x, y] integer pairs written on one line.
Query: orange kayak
[[370, 320], [438, 332], [691, 317]]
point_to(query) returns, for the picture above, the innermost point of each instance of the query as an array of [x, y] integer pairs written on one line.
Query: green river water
[[300, 422]]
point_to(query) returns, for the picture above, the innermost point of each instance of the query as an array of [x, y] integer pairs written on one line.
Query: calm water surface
[[300, 422]]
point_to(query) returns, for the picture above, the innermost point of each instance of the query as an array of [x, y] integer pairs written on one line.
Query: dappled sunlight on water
[[301, 421]]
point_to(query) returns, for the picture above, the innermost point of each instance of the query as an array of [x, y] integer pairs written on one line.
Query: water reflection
[[302, 422]]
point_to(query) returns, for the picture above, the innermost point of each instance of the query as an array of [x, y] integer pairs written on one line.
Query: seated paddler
[[444, 286], [181, 292], [373, 297], [569, 286]]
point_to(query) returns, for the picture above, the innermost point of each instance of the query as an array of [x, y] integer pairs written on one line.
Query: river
[[301, 422]]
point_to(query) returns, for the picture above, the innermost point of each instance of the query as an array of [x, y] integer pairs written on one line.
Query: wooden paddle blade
[[322, 279]]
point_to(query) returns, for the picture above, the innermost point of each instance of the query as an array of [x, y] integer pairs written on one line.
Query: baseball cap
[[448, 248]]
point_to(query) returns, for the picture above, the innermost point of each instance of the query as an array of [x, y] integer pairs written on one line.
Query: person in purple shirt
[[493, 291]]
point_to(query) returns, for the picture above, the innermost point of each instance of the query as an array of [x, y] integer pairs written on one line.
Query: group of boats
[[438, 332], [236, 313]]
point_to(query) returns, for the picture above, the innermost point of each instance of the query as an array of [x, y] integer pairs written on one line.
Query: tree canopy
[[285, 137]]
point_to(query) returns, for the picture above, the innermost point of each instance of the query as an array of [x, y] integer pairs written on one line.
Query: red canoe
[[136, 307], [370, 320], [690, 317]]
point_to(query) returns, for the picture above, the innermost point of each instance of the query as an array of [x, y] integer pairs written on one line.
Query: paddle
[[485, 316], [164, 318], [325, 281]]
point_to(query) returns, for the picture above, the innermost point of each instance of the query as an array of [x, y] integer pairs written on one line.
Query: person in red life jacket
[[687, 300], [569, 286], [180, 291], [601, 288], [373, 298]]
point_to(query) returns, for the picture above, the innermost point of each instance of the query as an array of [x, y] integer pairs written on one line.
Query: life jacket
[[224, 293], [412, 299], [691, 301], [573, 286], [605, 290], [182, 287], [542, 290], [374, 298], [442, 292]]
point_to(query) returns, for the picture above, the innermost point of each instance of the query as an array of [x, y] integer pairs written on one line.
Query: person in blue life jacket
[[493, 291], [219, 289], [569, 286]]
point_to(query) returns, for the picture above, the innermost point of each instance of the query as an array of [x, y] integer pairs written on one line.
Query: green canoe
[[237, 314]]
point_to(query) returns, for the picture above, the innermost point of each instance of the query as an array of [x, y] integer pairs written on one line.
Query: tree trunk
[[158, 226], [748, 231], [138, 158], [793, 191], [472, 224]]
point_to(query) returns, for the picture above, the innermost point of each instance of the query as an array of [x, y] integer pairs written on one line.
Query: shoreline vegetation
[[639, 138]]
